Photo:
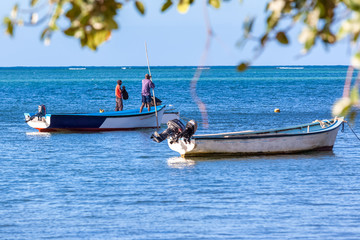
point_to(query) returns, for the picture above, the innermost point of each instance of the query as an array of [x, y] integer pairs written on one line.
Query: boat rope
[[323, 124], [352, 130]]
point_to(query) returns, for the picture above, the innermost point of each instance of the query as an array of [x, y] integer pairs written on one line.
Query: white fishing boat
[[101, 121], [318, 135], [170, 114]]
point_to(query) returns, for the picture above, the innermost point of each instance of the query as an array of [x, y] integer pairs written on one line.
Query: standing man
[[119, 101], [145, 92]]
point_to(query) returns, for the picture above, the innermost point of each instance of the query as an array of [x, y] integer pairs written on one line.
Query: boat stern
[[181, 146], [36, 122]]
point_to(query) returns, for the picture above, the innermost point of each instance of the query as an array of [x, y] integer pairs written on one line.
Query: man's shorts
[[146, 99]]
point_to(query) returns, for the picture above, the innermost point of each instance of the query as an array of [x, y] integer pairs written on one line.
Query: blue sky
[[173, 39]]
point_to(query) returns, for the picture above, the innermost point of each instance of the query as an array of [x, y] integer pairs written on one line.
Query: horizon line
[[94, 66]]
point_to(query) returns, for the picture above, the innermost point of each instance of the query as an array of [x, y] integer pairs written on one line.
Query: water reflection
[[38, 134], [180, 163]]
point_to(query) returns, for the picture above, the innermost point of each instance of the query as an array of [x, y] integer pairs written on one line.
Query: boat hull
[[258, 143], [170, 115], [110, 121]]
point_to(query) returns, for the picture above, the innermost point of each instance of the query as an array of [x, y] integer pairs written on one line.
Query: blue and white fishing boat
[[318, 135], [101, 121]]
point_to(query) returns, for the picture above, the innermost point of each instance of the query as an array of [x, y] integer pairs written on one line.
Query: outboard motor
[[175, 131], [41, 113], [189, 131], [174, 128]]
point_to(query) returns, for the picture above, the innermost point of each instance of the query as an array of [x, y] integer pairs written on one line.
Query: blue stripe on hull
[[76, 121]]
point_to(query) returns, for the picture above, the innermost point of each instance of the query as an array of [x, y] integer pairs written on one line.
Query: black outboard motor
[[175, 131], [174, 127], [189, 131], [41, 113]]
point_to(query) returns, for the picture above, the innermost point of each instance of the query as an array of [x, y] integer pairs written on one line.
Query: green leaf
[[215, 3], [112, 24], [140, 7], [242, 67], [71, 31], [328, 37], [166, 5], [281, 37], [183, 6], [6, 20], [9, 26], [264, 39], [248, 25], [287, 8], [272, 21], [352, 4], [74, 12], [46, 30], [355, 37], [90, 41], [53, 27], [100, 37], [14, 12], [10, 29], [307, 37], [83, 41], [84, 20], [34, 2], [355, 61], [312, 17], [342, 107], [297, 17]]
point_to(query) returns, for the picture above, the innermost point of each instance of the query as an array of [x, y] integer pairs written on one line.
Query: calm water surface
[[121, 185]]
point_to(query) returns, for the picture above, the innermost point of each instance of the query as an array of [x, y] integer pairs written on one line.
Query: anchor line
[[353, 131]]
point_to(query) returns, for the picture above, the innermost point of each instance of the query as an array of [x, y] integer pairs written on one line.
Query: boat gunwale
[[120, 114], [268, 133]]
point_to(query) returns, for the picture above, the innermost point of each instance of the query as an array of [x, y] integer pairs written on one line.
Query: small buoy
[[277, 110], [101, 110]]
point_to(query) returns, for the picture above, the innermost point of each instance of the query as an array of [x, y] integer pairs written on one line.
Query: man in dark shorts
[[145, 92]]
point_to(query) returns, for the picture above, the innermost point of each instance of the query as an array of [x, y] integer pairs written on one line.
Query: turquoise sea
[[122, 185]]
